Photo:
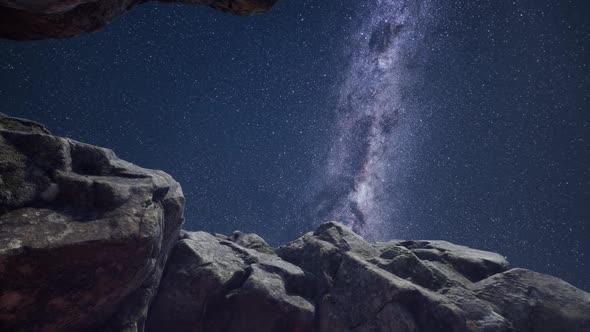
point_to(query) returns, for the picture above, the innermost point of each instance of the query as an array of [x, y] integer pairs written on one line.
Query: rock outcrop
[[536, 302], [41, 19], [84, 236], [333, 280], [386, 287], [89, 242], [214, 284]]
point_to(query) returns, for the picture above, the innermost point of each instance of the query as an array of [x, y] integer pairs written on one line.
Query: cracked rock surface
[[333, 280], [84, 236], [42, 19], [214, 284], [427, 286]]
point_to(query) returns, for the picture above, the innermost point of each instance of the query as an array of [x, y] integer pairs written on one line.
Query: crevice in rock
[[237, 281]]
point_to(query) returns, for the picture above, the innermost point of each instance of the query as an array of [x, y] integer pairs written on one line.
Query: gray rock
[[403, 263], [251, 241], [366, 298], [344, 239], [473, 264], [41, 19], [441, 277], [480, 315], [213, 284], [265, 303], [536, 302], [199, 273], [413, 285], [319, 254], [84, 236]]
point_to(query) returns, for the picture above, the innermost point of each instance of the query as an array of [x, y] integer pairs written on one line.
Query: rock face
[[41, 19], [333, 280], [214, 284], [428, 286], [385, 287], [89, 242], [536, 302], [84, 236]]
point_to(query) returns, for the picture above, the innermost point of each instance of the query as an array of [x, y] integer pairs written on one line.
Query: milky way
[[373, 121]]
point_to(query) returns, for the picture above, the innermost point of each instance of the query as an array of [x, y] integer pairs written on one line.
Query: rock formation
[[214, 284], [89, 242], [84, 236], [41, 19]]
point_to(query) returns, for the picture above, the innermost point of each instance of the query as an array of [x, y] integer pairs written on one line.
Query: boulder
[[536, 302], [405, 264], [472, 264], [214, 284], [320, 253], [41, 19], [84, 236], [364, 287], [367, 298]]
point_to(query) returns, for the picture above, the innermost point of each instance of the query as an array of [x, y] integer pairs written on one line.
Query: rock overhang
[[33, 20]]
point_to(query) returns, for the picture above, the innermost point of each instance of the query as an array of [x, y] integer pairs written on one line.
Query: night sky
[[467, 121]]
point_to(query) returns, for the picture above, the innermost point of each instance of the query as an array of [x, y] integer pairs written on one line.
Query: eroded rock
[[536, 302], [84, 236], [473, 264], [366, 298], [320, 253], [419, 286], [214, 284], [251, 241]]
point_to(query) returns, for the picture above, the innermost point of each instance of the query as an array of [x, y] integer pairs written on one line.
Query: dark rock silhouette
[[89, 242], [41, 19]]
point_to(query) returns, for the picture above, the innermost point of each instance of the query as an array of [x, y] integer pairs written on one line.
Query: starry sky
[[467, 121]]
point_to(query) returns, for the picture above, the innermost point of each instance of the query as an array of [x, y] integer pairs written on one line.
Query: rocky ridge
[[89, 242], [41, 19]]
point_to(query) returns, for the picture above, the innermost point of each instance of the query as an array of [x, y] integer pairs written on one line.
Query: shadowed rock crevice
[[472, 264]]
